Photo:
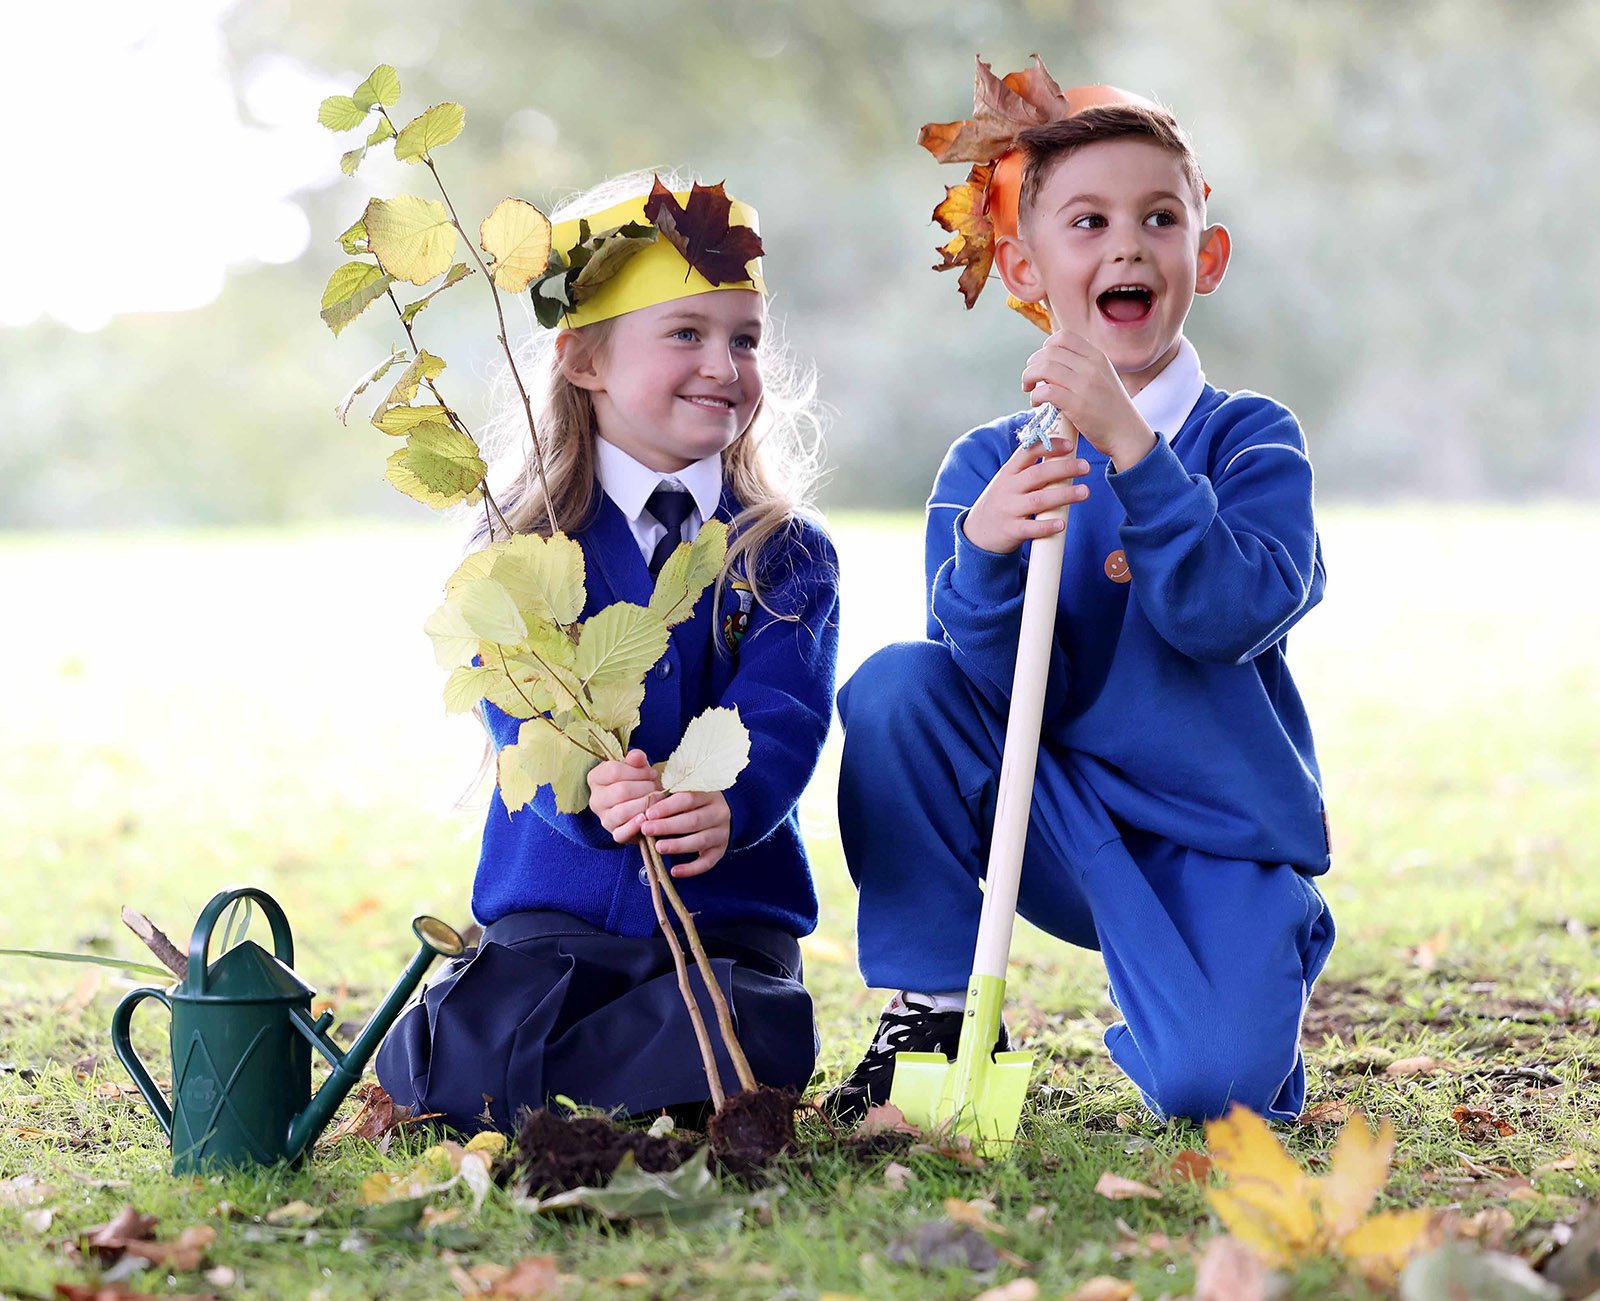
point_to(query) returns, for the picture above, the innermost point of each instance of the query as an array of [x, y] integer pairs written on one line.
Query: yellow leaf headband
[[658, 273]]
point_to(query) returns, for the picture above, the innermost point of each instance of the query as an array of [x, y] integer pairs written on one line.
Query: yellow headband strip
[[659, 274]]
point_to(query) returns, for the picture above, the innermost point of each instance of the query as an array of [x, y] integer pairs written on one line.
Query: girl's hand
[[1033, 480], [693, 822], [1081, 382], [619, 793]]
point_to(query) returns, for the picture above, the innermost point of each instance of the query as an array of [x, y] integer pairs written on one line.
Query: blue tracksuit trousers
[[1210, 960]]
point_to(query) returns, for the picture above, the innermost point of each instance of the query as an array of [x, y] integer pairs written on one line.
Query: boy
[[1177, 816]]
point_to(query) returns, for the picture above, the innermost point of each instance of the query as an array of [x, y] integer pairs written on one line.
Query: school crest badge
[[737, 604]]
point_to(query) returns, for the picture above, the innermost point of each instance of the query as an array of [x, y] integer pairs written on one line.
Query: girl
[[660, 413]]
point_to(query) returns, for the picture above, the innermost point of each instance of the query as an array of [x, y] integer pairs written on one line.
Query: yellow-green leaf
[[688, 572], [371, 377], [402, 420], [351, 289], [466, 686], [594, 737], [543, 756], [341, 113], [459, 272], [517, 236], [382, 86], [521, 686], [383, 131], [490, 612], [454, 643], [412, 238], [348, 162], [615, 706], [545, 575], [476, 565], [620, 643], [354, 240], [438, 466], [438, 126], [424, 366], [712, 754]]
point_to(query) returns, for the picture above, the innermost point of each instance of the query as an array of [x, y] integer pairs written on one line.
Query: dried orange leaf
[[1116, 1188]]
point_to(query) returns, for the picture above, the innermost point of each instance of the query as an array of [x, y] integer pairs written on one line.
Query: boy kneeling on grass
[[1177, 818]]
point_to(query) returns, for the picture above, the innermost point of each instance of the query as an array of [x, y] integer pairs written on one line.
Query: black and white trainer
[[910, 1023]]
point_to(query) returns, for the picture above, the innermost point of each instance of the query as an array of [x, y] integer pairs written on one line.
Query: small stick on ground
[[657, 874], [174, 959], [741, 1064]]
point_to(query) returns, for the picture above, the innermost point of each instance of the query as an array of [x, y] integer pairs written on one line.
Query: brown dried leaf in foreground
[[1115, 1188]]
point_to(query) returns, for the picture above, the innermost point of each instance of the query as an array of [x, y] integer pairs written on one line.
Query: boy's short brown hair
[[1047, 145]]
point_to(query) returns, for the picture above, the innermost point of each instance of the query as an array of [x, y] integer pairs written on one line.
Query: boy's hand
[[1077, 377], [695, 822], [1001, 520], [619, 793]]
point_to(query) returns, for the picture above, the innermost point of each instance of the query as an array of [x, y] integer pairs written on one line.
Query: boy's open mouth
[[1126, 304]]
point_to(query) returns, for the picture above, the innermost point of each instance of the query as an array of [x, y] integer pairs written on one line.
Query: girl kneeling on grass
[[658, 417]]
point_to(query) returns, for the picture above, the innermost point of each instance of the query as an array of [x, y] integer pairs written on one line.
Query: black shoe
[[910, 1024]]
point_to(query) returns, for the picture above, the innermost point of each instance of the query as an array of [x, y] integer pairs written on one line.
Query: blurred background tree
[[1411, 190]]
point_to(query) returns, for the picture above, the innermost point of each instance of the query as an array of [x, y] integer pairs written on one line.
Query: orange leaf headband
[[984, 207]]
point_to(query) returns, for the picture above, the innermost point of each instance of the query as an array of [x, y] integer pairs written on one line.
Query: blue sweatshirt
[[780, 676], [1167, 685]]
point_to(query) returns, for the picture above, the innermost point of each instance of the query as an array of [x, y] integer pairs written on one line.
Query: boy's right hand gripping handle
[[121, 1022], [1014, 802]]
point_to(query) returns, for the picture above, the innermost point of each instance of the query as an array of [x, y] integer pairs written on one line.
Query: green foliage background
[[1410, 188]]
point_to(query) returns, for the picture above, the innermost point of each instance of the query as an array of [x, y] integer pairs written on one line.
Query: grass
[[193, 711]]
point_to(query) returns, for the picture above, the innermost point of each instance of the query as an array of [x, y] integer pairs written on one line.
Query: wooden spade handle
[[1015, 798]]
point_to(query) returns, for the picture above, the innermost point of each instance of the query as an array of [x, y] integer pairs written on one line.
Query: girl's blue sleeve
[[1224, 564], [581, 828], [783, 686], [975, 596]]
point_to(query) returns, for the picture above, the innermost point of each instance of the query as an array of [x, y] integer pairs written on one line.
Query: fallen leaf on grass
[[1480, 1124], [39, 1219], [1230, 1271], [1575, 1266], [688, 1195], [975, 1213], [132, 1233], [1413, 1066], [116, 1292], [1018, 1289], [295, 1213], [1330, 1111], [1561, 1163], [1133, 1244], [1102, 1287], [885, 1118], [532, 1276], [941, 1244], [1489, 1227], [376, 1119], [1115, 1188], [1286, 1215], [895, 1176], [1191, 1165]]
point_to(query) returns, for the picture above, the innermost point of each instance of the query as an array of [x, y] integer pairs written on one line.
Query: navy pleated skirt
[[549, 1006]]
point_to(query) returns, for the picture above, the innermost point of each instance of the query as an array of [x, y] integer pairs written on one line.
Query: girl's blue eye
[[686, 333], [746, 341]]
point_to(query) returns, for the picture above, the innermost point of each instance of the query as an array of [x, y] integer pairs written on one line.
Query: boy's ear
[[577, 362], [1215, 248], [1017, 269]]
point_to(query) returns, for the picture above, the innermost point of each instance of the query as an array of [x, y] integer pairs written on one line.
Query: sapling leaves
[[341, 113], [688, 572], [545, 575], [439, 466], [517, 236], [371, 377], [354, 240], [429, 131], [459, 272], [490, 612], [712, 754], [351, 289], [700, 230], [402, 420], [620, 643], [424, 366], [382, 86], [545, 756], [413, 239]]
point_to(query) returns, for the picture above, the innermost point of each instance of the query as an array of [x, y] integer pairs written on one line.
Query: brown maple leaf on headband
[[700, 231], [1002, 107]]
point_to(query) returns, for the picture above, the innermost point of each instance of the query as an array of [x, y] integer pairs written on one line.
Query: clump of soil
[[753, 1127], [556, 1153]]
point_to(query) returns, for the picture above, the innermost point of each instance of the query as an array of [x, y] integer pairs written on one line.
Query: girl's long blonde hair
[[772, 467]]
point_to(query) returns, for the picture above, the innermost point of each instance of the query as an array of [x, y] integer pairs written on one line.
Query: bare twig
[[708, 1057], [730, 1040], [173, 958]]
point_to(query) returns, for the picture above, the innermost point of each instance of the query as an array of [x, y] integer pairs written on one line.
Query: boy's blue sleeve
[[975, 596], [783, 686], [581, 828], [1224, 564]]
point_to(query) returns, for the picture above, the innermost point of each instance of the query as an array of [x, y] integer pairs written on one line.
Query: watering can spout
[[438, 939]]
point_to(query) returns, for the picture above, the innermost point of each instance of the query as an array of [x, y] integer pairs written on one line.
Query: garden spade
[[981, 1092]]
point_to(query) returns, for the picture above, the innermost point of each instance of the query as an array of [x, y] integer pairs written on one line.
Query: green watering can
[[242, 1035]]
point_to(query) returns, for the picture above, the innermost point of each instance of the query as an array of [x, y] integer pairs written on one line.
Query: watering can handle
[[121, 1022], [200, 941]]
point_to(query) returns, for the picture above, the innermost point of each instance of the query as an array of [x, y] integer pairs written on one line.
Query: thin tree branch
[[702, 1037]]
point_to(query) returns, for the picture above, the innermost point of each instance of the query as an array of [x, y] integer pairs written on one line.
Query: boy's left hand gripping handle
[[121, 1023]]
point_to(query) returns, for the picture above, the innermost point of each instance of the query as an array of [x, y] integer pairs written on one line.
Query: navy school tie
[[671, 507]]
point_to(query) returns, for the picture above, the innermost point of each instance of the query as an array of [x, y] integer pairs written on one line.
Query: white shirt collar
[[629, 484], [1166, 401]]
